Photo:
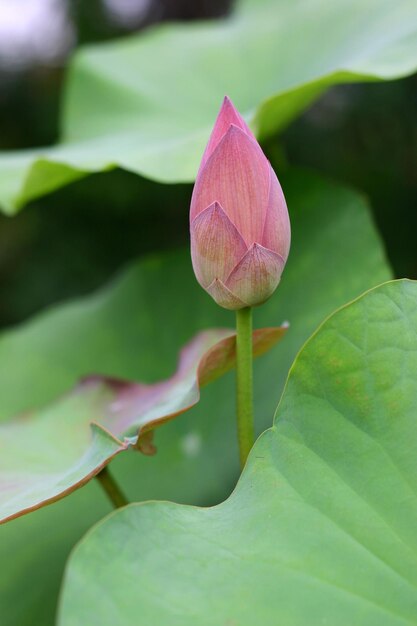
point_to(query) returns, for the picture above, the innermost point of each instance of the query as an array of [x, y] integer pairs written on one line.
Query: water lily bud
[[240, 229]]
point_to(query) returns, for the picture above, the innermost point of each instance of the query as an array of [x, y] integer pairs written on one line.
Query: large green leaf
[[322, 526], [133, 330], [147, 103]]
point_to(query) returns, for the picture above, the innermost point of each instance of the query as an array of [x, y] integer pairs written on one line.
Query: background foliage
[[365, 135]]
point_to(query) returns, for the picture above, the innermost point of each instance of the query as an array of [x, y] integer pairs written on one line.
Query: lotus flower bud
[[240, 229]]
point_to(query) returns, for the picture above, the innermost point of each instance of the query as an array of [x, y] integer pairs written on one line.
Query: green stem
[[111, 488], [244, 383]]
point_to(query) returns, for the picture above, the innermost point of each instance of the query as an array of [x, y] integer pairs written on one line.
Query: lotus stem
[[111, 488], [244, 383]]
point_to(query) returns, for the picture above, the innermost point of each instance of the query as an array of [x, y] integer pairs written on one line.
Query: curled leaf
[[46, 454]]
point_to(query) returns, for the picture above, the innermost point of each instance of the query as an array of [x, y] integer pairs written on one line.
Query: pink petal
[[237, 176], [216, 245], [227, 116], [256, 276], [224, 297], [277, 229]]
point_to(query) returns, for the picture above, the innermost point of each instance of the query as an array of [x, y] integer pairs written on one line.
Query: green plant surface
[[47, 454], [321, 527], [123, 332], [273, 57]]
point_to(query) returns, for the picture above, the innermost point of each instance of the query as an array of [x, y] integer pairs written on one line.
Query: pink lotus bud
[[240, 229]]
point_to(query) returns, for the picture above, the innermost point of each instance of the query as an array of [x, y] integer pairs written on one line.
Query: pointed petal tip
[[232, 115], [227, 103], [216, 207], [237, 133], [216, 244], [234, 128], [257, 275], [227, 115], [259, 248], [240, 134], [224, 297]]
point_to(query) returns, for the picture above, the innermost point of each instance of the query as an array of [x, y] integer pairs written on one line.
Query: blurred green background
[[361, 134]]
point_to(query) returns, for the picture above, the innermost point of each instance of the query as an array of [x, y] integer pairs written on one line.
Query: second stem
[[112, 489], [244, 383]]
